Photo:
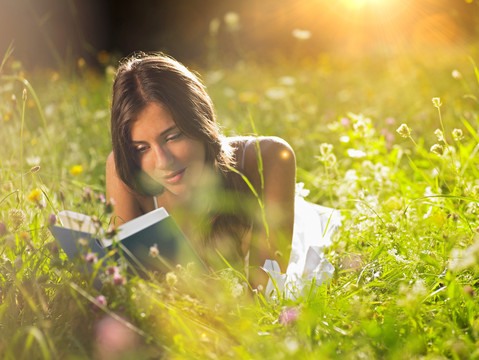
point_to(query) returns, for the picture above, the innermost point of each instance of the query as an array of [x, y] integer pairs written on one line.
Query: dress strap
[[247, 143], [155, 201]]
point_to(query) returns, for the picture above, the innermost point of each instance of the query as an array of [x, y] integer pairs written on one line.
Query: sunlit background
[[51, 32]]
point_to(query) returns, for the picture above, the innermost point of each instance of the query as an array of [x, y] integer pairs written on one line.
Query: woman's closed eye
[[141, 148], [173, 136]]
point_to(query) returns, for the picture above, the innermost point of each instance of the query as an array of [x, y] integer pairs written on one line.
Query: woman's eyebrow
[[163, 133]]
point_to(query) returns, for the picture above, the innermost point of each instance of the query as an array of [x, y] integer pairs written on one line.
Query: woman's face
[[171, 158]]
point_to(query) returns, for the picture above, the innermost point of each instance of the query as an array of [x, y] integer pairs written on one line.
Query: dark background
[[52, 33]]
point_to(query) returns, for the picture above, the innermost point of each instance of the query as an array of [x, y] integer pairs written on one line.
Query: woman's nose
[[163, 157]]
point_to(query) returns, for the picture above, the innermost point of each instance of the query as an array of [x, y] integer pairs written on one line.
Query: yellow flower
[[76, 170], [34, 195]]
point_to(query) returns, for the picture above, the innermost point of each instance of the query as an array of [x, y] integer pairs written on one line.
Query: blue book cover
[[135, 240]]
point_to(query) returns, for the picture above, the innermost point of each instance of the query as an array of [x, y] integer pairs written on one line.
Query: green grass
[[406, 258]]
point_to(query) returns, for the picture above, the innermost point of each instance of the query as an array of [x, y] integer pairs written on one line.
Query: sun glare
[[360, 4]]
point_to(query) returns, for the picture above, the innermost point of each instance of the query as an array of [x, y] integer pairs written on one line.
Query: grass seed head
[[438, 149], [404, 131]]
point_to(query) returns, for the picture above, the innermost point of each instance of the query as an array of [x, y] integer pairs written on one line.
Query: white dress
[[313, 226]]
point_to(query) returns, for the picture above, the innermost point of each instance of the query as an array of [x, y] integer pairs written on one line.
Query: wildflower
[[17, 217], [154, 252], [437, 149], [456, 74], [457, 134], [439, 134], [437, 102], [390, 121], [34, 195], [91, 258], [288, 315], [112, 270], [100, 301], [171, 279], [118, 279], [301, 34], [232, 20], [325, 149], [404, 131], [76, 170], [345, 121], [355, 154], [3, 229], [52, 219], [33, 160], [35, 169]]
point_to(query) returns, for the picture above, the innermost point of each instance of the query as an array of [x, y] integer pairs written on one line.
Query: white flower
[[456, 74], [301, 34], [287, 81], [276, 93], [356, 154]]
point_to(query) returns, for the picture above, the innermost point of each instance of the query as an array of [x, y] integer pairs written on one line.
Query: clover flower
[[439, 134], [171, 279], [154, 252], [118, 279], [457, 134], [91, 258], [100, 301], [438, 149], [436, 102], [288, 315], [17, 217], [404, 131]]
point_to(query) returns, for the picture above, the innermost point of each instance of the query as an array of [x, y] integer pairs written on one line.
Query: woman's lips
[[174, 177]]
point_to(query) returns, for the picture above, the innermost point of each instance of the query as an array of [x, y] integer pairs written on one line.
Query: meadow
[[406, 257]]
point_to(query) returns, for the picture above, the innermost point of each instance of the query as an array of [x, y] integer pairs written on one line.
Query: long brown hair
[[157, 78]]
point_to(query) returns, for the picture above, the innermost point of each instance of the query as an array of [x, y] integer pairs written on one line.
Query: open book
[[152, 241]]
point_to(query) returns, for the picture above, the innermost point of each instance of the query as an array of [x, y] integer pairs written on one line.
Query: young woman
[[234, 195]]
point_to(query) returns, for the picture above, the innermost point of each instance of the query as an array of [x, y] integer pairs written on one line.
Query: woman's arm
[[126, 205], [277, 192]]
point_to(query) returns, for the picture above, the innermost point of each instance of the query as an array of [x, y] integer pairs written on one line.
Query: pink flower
[[112, 270], [118, 279], [345, 121], [91, 258], [100, 301], [288, 315]]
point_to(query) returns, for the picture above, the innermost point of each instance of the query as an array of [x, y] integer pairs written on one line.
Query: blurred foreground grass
[[406, 258]]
